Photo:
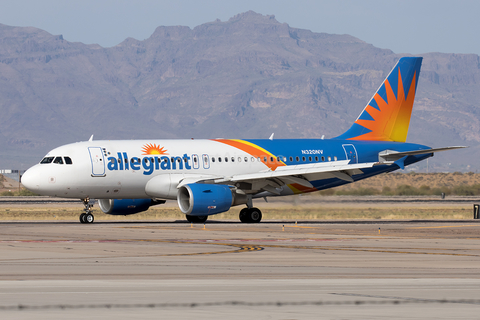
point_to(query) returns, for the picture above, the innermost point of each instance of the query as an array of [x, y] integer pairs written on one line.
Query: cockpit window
[[67, 160], [58, 160], [47, 160]]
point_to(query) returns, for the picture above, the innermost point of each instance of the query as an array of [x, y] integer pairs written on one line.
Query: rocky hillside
[[242, 78]]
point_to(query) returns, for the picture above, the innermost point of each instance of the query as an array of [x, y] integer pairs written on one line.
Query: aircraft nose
[[31, 179]]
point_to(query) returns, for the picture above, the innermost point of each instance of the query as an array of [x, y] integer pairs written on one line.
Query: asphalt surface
[[229, 270]]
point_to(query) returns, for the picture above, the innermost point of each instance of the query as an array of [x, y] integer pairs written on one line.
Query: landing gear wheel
[[243, 215], [255, 215], [250, 215], [196, 219], [89, 218]]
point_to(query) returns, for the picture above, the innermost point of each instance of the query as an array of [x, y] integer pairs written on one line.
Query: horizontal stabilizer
[[391, 155]]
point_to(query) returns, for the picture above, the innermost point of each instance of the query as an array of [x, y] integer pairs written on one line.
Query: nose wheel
[[87, 216]]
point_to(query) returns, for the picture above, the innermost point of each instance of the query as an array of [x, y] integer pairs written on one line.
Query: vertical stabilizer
[[387, 116]]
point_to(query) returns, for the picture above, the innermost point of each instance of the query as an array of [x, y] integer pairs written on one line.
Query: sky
[[406, 26]]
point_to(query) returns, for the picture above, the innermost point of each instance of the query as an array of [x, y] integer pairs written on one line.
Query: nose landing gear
[[87, 217]]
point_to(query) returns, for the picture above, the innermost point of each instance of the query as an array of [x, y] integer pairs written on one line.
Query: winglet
[[387, 116]]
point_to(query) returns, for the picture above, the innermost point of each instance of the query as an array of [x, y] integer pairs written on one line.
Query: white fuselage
[[122, 169]]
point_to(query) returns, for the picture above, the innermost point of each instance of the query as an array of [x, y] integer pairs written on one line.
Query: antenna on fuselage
[[91, 138], [271, 137], [323, 137]]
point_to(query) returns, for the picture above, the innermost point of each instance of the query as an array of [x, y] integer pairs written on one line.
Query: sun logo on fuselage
[[152, 149]]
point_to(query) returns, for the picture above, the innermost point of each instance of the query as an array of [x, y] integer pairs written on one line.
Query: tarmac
[[229, 270]]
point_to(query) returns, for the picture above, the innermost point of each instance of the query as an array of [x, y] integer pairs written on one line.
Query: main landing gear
[[250, 215], [87, 217]]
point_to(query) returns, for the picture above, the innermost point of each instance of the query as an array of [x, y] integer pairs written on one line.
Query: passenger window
[[335, 158], [291, 159], [226, 159], [47, 160], [271, 159], [258, 159], [297, 158], [278, 159], [310, 159], [219, 159], [58, 160], [246, 159], [316, 159], [264, 159], [329, 159], [213, 159], [233, 159], [240, 159], [304, 159], [323, 158]]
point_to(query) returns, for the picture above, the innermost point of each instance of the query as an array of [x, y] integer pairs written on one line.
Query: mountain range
[[247, 77]]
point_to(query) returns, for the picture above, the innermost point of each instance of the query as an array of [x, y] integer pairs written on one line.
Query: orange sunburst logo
[[391, 122], [153, 149]]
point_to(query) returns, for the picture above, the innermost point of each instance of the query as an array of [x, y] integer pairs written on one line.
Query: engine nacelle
[[199, 199], [123, 207]]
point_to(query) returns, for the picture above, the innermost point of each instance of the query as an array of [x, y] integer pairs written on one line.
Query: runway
[[272, 270]]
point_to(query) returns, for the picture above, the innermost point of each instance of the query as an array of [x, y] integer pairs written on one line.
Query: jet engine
[[123, 207], [199, 199]]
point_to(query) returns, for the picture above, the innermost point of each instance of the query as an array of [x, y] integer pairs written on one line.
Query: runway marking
[[438, 227], [240, 247]]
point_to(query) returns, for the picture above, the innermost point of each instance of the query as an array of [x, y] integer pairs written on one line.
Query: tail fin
[[387, 116]]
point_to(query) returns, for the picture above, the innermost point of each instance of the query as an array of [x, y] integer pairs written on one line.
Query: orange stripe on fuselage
[[254, 151]]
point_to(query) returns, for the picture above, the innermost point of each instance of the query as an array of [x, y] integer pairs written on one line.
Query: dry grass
[[416, 180]]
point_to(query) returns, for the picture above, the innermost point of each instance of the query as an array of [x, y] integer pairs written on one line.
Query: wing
[[253, 183]]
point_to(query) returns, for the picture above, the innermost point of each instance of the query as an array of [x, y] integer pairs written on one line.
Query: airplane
[[207, 177]]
